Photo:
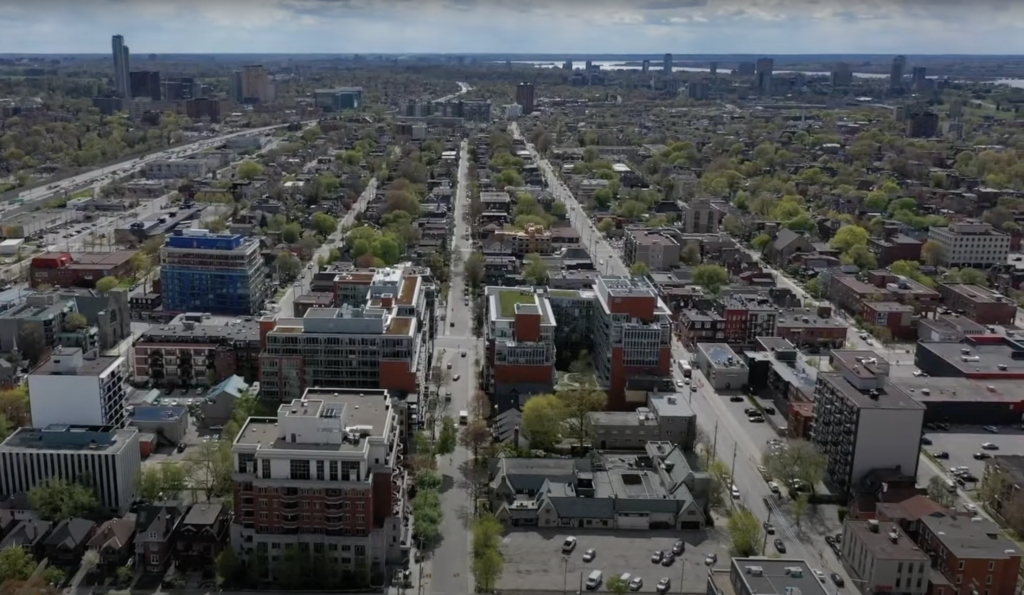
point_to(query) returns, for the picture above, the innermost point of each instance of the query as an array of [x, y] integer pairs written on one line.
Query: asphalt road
[[448, 566], [301, 285]]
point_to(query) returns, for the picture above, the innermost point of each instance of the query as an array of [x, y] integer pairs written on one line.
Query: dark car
[[926, 440], [769, 410], [981, 456], [751, 411], [838, 580], [679, 547], [736, 399], [668, 560], [941, 455], [779, 546]]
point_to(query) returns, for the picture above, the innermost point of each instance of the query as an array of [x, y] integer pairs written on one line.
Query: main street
[[733, 440], [449, 564]]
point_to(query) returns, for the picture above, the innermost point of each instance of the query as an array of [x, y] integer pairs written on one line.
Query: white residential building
[[79, 389], [106, 459], [970, 244]]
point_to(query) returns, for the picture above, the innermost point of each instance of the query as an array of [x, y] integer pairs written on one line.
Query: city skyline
[[529, 26]]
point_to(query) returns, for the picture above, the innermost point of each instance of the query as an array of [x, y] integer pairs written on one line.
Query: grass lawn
[[87, 193], [509, 298]]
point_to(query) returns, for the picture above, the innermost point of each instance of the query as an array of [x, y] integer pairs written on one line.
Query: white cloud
[[527, 26]]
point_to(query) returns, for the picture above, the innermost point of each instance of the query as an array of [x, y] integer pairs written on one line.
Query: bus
[[684, 367]]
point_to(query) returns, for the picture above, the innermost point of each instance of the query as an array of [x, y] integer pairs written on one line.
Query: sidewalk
[[417, 583]]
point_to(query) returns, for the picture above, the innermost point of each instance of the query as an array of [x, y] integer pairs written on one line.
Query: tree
[[329, 184], [691, 254], [542, 420], [639, 269], [761, 242], [288, 266], [16, 564], [720, 476], [577, 405], [937, 491], [248, 170], [323, 224], [447, 438], [57, 500], [107, 283], [535, 272], [814, 288], [14, 404], [53, 575], [745, 531], [797, 460], [860, 256], [932, 253], [75, 321], [228, 566], [141, 264], [605, 226], [291, 233], [475, 437], [487, 567], [967, 276], [616, 585], [209, 468], [474, 270], [799, 507], [711, 277], [427, 516], [849, 236], [166, 481]]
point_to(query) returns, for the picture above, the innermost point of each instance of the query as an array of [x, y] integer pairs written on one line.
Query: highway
[[738, 443], [463, 89], [287, 301]]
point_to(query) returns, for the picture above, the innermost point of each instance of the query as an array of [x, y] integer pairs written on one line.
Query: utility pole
[[764, 545], [732, 469], [714, 446]]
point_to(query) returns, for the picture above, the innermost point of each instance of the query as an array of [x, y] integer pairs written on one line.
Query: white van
[[463, 418], [594, 580]]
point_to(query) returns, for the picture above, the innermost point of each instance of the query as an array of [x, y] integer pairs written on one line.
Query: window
[[961, 565], [152, 534], [298, 469], [320, 470], [991, 566], [360, 505], [154, 559], [988, 580], [898, 582]]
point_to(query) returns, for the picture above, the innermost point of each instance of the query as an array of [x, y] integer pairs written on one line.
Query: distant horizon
[[530, 57]]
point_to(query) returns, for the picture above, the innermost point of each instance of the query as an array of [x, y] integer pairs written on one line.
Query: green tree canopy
[[107, 283], [711, 277], [57, 500], [248, 170], [542, 420]]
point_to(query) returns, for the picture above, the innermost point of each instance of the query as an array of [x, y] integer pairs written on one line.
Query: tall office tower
[[525, 97], [919, 78], [145, 83], [235, 86], [256, 85], [122, 84], [666, 64], [842, 76], [714, 69], [645, 66], [764, 75], [899, 64]]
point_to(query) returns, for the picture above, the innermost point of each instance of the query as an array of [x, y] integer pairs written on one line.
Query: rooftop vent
[[755, 571], [873, 526], [794, 571]]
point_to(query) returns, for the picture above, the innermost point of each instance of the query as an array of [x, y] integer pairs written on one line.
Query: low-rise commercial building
[[863, 422], [326, 472], [108, 459], [667, 418], [747, 317], [660, 489], [177, 169], [764, 576], [532, 240], [659, 251], [62, 269], [804, 327], [980, 304], [884, 559], [973, 555], [978, 357], [724, 369], [169, 423]]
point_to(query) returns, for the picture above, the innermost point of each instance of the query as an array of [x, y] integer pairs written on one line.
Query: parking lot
[[534, 560], [962, 442]]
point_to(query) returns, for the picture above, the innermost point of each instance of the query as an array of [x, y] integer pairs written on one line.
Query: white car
[[735, 493], [819, 574], [774, 487], [971, 508]]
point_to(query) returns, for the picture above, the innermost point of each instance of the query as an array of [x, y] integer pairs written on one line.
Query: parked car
[[589, 555], [989, 446], [779, 546], [664, 585], [736, 399], [838, 580], [941, 455], [657, 556], [711, 559], [679, 547]]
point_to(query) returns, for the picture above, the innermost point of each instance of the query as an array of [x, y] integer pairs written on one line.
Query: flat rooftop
[[982, 358], [368, 408], [769, 576], [881, 546], [889, 396], [91, 366], [98, 439], [210, 330], [721, 355], [965, 538], [805, 318], [977, 294], [651, 238], [505, 300], [964, 390]]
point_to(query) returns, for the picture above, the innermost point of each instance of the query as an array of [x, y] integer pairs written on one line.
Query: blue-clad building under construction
[[216, 273]]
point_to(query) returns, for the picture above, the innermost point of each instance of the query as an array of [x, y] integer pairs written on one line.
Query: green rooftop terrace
[[509, 298]]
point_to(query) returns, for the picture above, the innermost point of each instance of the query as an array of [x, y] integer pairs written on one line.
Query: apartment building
[[980, 304], [632, 339], [220, 273], [884, 559], [532, 240], [658, 250], [256, 86], [107, 459], [323, 476], [379, 344], [974, 556], [76, 388], [970, 244], [804, 327], [747, 317], [700, 215], [520, 339], [197, 350], [574, 315], [525, 97], [176, 169], [863, 422]]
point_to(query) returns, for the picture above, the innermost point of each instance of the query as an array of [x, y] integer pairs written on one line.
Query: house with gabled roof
[[201, 536], [155, 527], [114, 541], [65, 545]]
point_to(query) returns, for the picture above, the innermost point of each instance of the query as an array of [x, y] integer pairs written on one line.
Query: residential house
[[973, 555], [786, 244], [28, 534], [155, 527], [114, 541], [67, 542], [202, 535]]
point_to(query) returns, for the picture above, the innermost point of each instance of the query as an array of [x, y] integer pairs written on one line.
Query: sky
[[516, 26]]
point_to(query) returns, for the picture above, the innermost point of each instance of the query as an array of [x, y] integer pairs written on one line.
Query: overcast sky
[[516, 26]]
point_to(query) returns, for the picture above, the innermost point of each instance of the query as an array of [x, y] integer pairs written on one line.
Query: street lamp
[[565, 572]]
